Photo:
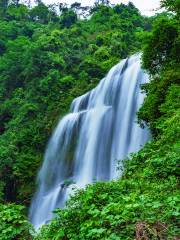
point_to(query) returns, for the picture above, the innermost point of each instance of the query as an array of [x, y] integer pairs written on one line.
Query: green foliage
[[18, 13], [68, 18], [161, 60], [144, 202], [14, 224], [40, 13], [146, 193], [172, 5], [162, 45], [112, 210], [46, 61]]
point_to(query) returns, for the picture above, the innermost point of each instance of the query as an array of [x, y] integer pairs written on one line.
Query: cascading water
[[88, 142]]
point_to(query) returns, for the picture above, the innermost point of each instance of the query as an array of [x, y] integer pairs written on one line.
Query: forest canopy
[[46, 61], [48, 56]]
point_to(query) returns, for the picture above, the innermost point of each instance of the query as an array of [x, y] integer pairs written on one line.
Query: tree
[[161, 60], [40, 13], [76, 6], [102, 2], [171, 5], [17, 12], [3, 7], [68, 18], [162, 45], [63, 7], [53, 17]]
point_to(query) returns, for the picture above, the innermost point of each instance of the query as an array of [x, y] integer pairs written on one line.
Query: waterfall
[[100, 130]]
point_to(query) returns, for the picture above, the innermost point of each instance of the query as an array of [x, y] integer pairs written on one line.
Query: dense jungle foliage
[[46, 60]]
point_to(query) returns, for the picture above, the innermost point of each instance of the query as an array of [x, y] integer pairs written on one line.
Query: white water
[[88, 142]]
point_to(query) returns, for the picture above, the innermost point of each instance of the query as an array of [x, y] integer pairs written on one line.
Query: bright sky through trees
[[147, 7]]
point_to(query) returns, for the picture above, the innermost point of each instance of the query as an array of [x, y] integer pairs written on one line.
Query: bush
[[14, 224]]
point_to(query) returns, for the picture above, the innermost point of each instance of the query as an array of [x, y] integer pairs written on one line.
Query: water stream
[[88, 142]]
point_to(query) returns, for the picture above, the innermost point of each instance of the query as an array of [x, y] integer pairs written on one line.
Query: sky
[[147, 7]]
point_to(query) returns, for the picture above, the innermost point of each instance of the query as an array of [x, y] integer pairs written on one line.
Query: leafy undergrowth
[[14, 224], [143, 204]]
